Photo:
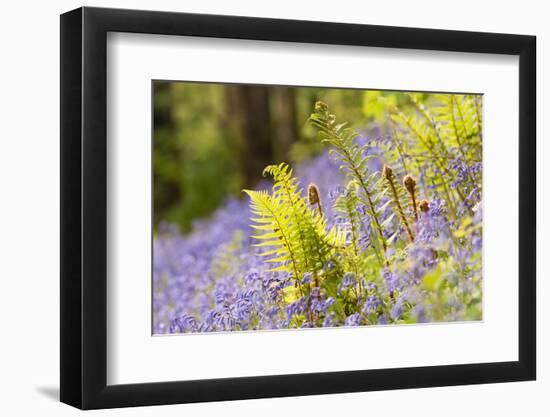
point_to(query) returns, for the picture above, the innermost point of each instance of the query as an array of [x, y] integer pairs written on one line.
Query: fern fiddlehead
[[410, 185], [428, 131], [314, 197], [396, 199]]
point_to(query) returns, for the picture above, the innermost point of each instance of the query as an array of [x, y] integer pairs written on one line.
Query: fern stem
[[410, 185], [388, 174], [372, 208], [342, 143]]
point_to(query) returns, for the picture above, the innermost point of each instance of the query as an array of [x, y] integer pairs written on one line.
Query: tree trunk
[[285, 125], [249, 118]]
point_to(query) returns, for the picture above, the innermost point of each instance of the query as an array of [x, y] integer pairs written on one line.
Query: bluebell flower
[[329, 320], [348, 281], [392, 280], [371, 286], [397, 309], [353, 320], [184, 323], [297, 307], [372, 304], [419, 313], [321, 306]]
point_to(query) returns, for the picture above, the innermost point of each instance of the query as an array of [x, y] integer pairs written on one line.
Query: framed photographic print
[[257, 207]]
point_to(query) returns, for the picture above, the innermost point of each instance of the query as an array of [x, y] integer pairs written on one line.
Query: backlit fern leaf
[[294, 234], [273, 221]]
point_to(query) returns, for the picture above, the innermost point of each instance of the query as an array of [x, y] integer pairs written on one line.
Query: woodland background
[[213, 140]]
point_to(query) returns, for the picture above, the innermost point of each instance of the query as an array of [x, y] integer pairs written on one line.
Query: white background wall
[[29, 207]]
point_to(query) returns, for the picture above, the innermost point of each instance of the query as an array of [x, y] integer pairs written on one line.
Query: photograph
[[258, 205], [289, 207]]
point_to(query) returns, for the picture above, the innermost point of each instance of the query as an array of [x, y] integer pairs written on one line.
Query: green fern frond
[[279, 231], [294, 233], [460, 119], [355, 164], [309, 227], [449, 119], [345, 208]]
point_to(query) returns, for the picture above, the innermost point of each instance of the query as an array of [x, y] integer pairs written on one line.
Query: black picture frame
[[84, 207]]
